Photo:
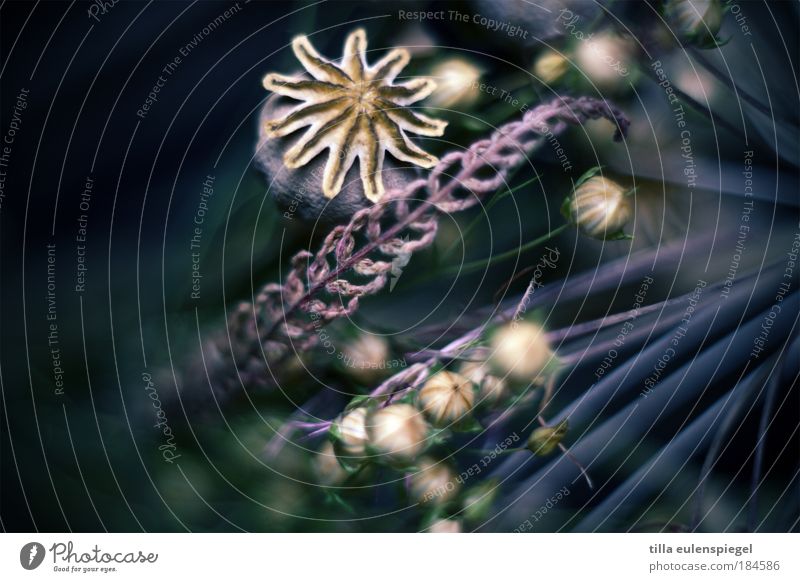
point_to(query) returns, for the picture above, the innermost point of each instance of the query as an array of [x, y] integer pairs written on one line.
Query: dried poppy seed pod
[[520, 351], [446, 398], [445, 526], [298, 191], [350, 432], [354, 110], [434, 482], [545, 439], [397, 434], [599, 207], [327, 468], [491, 389], [695, 21], [550, 67]]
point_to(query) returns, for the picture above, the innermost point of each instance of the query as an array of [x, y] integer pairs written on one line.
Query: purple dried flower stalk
[[312, 274], [316, 289]]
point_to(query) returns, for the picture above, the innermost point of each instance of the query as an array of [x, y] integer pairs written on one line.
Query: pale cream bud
[[457, 83], [697, 84], [446, 398], [599, 207], [397, 433], [446, 526], [605, 59], [550, 67], [351, 434], [491, 389], [434, 482], [475, 372], [366, 357], [696, 21], [327, 467], [520, 351]]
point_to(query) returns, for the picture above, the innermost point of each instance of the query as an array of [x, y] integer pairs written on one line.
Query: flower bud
[[545, 439], [599, 208], [695, 21], [550, 67], [445, 526], [697, 84], [446, 398], [478, 500], [491, 389], [327, 467], [434, 482], [366, 357], [520, 351], [606, 60], [350, 432], [456, 83], [398, 433]]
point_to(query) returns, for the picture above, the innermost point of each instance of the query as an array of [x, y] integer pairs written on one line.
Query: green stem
[[477, 219], [475, 265]]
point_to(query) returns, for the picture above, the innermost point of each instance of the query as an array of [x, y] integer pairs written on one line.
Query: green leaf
[[619, 235], [407, 398], [631, 192], [334, 435], [353, 465], [359, 400], [590, 173], [565, 212], [440, 436], [432, 515], [336, 499], [468, 425], [478, 500], [711, 43]]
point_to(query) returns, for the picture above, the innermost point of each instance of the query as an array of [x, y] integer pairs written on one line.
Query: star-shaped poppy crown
[[353, 110]]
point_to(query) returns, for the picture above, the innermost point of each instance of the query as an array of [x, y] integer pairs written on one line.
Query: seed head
[[445, 526], [397, 433], [434, 482], [550, 67], [351, 434], [520, 351], [327, 467], [599, 207], [446, 398], [457, 83], [491, 389], [695, 21], [366, 357], [545, 439]]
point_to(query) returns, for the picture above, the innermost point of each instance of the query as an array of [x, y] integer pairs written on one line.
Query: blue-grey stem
[[618, 435], [752, 381]]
